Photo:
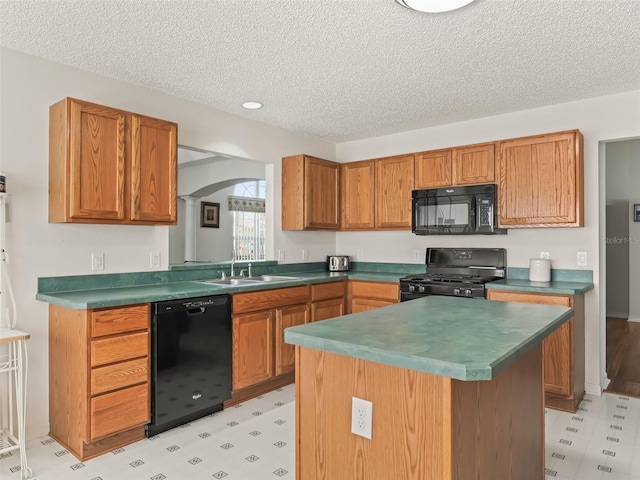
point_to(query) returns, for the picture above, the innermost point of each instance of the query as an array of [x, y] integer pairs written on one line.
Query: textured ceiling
[[343, 69]]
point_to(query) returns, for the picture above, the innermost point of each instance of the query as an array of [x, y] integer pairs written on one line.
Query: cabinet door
[[473, 165], [364, 304], [322, 194], [119, 410], [393, 185], [154, 170], [323, 309], [433, 169], [285, 353], [541, 181], [558, 347], [252, 349], [97, 150], [357, 195]]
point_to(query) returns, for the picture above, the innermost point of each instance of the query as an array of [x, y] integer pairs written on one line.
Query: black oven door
[[443, 211], [406, 296]]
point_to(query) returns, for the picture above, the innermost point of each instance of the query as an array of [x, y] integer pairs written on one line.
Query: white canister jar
[[540, 270]]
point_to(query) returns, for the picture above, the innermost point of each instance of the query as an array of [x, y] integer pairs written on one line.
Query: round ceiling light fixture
[[434, 6], [252, 105]]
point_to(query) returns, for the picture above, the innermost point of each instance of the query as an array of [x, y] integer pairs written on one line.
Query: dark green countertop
[[522, 285], [132, 294], [453, 337]]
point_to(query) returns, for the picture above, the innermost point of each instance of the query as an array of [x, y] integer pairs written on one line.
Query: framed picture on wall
[[210, 215], [636, 212]]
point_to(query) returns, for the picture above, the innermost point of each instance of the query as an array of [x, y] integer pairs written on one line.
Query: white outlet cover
[[361, 417], [97, 262], [544, 254]]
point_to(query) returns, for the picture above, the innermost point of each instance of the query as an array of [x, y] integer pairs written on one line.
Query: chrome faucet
[[250, 275], [233, 263]]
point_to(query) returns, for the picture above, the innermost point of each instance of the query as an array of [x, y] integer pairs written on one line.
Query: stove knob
[[456, 291], [421, 289], [412, 288], [468, 292]]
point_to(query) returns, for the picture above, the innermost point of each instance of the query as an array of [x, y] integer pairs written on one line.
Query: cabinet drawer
[[323, 291], [120, 375], [117, 349], [544, 299], [119, 320], [279, 297], [121, 410], [378, 290]]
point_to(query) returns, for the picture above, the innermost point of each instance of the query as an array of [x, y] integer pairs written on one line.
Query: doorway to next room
[[623, 267]]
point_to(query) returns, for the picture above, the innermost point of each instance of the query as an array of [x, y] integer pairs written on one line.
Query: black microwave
[[470, 210]]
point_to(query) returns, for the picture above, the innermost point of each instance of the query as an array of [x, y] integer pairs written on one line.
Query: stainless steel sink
[[232, 281], [272, 278], [249, 280]]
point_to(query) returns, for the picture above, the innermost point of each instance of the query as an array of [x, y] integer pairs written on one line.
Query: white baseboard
[[618, 314], [633, 319], [595, 389]]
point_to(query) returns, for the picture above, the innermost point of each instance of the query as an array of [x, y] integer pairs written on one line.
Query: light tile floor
[[255, 441]]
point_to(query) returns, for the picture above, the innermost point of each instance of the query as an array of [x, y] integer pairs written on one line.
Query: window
[[247, 206]]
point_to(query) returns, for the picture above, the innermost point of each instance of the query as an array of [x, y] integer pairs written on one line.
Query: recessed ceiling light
[[434, 6], [252, 105]]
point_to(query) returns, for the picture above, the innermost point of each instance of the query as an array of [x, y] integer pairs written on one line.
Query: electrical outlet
[[97, 262], [154, 259], [305, 254], [359, 254], [361, 417], [544, 255], [281, 255], [582, 259], [416, 254]]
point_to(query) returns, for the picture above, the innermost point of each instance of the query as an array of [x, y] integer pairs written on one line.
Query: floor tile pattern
[[255, 441]]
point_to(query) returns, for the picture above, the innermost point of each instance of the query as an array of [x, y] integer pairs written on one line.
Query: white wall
[[623, 234], [39, 249], [216, 244], [599, 119]]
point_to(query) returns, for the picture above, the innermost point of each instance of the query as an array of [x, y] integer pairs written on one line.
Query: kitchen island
[[456, 387]]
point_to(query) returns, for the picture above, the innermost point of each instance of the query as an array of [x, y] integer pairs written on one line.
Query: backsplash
[[557, 275]]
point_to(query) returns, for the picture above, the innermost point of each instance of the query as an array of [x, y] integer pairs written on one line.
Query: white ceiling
[[343, 69]]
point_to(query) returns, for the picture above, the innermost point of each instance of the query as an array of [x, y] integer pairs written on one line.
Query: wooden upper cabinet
[[110, 166], [433, 169], [393, 186], [471, 165], [541, 181], [154, 170], [357, 200], [310, 193]]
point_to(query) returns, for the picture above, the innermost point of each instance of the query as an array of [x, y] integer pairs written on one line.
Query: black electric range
[[458, 272]]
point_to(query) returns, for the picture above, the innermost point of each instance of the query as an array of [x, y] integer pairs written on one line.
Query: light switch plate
[[154, 259], [582, 259], [97, 262]]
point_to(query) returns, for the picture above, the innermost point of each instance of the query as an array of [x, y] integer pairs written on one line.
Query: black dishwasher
[[190, 360]]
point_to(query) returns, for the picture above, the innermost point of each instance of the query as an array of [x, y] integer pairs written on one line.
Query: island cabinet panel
[[358, 195], [110, 166], [262, 361], [541, 181], [99, 396], [393, 186], [364, 295], [563, 350], [310, 193], [327, 300], [424, 426]]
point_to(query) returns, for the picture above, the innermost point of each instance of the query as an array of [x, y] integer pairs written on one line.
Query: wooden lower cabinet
[[285, 354], [98, 377], [262, 360], [252, 348], [363, 296], [327, 300], [563, 350]]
